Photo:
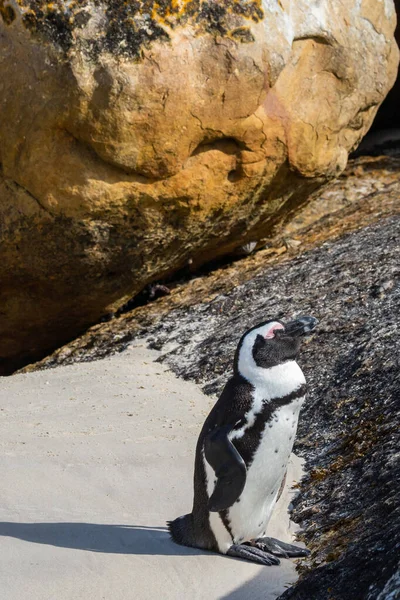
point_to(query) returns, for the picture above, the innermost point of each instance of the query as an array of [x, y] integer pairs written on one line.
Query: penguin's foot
[[278, 548], [253, 553]]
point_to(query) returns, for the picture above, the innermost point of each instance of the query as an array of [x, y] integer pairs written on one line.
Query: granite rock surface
[[138, 137]]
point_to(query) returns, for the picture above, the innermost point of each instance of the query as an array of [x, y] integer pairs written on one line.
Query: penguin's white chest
[[249, 516]]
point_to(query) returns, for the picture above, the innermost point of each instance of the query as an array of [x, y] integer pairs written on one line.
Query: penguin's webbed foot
[[278, 548], [254, 554]]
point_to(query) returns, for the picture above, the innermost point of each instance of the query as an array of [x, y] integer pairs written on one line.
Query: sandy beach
[[95, 458]]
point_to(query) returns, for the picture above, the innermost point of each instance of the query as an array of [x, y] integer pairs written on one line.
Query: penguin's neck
[[271, 384], [274, 382]]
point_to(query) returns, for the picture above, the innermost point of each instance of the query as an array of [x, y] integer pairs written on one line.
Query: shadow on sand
[[96, 537], [132, 539]]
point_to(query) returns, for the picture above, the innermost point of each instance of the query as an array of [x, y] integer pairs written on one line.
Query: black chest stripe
[[247, 445], [226, 521]]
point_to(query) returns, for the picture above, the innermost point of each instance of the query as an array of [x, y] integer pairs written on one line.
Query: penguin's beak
[[301, 326]]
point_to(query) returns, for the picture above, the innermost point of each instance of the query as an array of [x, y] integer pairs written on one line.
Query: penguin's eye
[[271, 332]]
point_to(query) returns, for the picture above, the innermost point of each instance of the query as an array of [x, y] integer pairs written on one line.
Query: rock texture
[[135, 137], [368, 191]]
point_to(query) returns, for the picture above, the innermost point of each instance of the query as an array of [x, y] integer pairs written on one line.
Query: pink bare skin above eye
[[270, 334]]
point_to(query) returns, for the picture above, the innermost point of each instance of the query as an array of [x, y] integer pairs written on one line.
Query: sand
[[95, 458]]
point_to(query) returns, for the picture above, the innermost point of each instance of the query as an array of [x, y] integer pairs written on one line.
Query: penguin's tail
[[182, 530]]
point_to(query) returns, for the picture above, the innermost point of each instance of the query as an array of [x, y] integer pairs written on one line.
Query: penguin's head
[[270, 344]]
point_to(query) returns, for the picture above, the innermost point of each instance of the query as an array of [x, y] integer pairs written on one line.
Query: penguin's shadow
[[96, 537]]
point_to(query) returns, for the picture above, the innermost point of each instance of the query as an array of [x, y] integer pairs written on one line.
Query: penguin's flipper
[[229, 466]]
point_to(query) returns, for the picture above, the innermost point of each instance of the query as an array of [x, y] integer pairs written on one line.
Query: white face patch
[[274, 382], [246, 363]]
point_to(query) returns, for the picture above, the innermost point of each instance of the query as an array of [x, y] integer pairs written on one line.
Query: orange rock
[[135, 137]]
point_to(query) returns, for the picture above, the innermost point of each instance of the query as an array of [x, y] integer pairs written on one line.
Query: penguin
[[244, 447]]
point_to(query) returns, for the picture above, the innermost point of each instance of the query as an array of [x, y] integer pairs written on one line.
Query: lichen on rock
[[124, 28]]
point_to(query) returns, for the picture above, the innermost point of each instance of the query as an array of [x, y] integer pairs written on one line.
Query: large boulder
[[138, 136]]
